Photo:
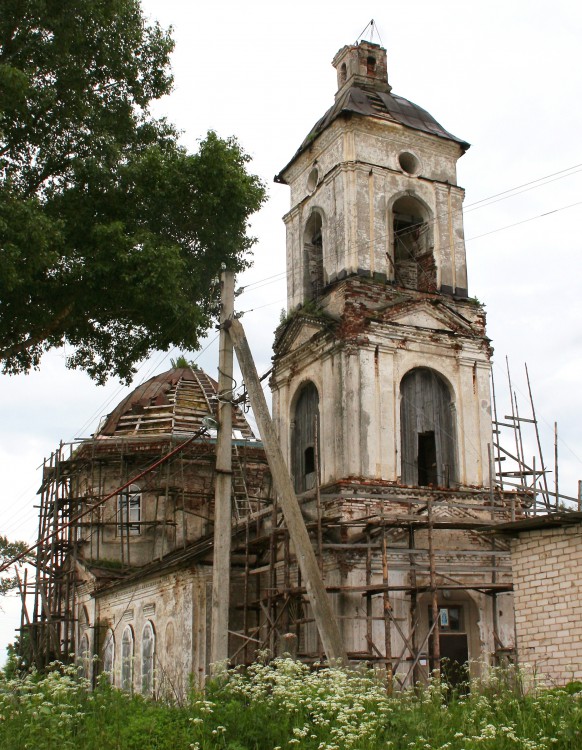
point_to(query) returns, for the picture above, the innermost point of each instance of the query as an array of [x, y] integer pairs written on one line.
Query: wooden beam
[[325, 618]]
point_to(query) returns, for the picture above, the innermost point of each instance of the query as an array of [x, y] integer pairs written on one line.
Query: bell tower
[[381, 370]]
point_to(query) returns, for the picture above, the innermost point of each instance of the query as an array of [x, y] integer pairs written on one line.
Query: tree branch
[[22, 346]]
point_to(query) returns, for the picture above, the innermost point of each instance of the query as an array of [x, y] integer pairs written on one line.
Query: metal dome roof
[[174, 402], [368, 102]]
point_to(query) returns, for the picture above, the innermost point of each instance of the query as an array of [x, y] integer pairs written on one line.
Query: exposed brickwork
[[548, 601], [362, 299], [426, 273]]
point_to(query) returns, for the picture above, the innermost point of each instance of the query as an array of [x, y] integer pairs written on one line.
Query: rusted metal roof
[[174, 402], [534, 523], [379, 104]]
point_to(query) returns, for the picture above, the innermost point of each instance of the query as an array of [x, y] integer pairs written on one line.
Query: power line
[[481, 203], [525, 221]]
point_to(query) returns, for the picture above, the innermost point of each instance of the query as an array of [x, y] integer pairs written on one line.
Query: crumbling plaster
[[359, 388], [358, 185]]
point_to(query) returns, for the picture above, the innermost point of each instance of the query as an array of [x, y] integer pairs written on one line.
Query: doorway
[[427, 459], [453, 643]]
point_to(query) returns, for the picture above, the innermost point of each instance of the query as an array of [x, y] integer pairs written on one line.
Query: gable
[[422, 319], [427, 315], [298, 331]]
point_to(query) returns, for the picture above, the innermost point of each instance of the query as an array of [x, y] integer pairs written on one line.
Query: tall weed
[[283, 704]]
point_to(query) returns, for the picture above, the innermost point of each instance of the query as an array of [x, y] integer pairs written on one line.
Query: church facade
[[382, 407]]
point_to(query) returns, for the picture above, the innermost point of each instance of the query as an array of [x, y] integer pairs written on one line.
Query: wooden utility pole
[[223, 483], [323, 613]]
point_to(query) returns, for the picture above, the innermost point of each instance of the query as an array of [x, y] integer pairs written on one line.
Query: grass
[[282, 704]]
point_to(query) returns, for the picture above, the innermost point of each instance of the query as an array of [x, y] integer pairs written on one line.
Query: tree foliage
[[8, 551], [110, 232]]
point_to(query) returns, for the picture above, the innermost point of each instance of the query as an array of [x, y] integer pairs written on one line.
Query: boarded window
[[127, 659], [304, 429], [414, 266], [109, 654], [313, 257], [129, 511], [147, 659], [427, 430]]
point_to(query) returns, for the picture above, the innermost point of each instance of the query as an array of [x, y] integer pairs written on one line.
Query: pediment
[[297, 332], [427, 315]]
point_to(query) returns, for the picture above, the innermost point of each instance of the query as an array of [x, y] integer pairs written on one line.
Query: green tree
[[110, 232], [8, 551]]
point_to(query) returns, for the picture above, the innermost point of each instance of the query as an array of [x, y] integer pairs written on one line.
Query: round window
[[408, 162]]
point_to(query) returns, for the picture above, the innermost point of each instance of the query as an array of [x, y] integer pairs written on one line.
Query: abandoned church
[[383, 413]]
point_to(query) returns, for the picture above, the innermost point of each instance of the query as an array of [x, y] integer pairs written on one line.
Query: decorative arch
[[170, 639], [109, 654], [412, 236], [127, 641], [304, 428], [427, 430], [313, 277], [148, 646]]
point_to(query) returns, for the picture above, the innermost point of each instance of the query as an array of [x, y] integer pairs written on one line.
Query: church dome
[[173, 402]]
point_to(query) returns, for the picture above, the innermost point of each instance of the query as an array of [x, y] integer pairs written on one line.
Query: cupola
[[363, 65]]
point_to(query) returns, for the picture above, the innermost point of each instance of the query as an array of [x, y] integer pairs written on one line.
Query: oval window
[[408, 162], [313, 179]]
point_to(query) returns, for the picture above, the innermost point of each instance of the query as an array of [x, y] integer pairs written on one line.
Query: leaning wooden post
[[223, 483], [320, 604]]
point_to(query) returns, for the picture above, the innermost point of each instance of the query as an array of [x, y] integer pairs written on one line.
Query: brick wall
[[547, 576]]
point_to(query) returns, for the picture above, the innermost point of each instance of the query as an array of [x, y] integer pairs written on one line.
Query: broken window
[[427, 430], [305, 427], [313, 257], [147, 659], [127, 659], [129, 511], [414, 266]]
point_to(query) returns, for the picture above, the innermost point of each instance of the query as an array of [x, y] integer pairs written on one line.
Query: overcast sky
[[503, 75]]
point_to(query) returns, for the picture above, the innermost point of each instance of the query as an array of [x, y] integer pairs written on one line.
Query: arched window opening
[[84, 662], [109, 654], [427, 430], [371, 65], [343, 74], [129, 511], [305, 428], [313, 257], [414, 266], [147, 659], [127, 659]]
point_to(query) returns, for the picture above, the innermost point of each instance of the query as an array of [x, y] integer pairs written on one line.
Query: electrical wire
[[481, 203]]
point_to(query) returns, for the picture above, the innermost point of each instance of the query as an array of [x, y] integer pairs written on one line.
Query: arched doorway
[[305, 426], [427, 430]]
